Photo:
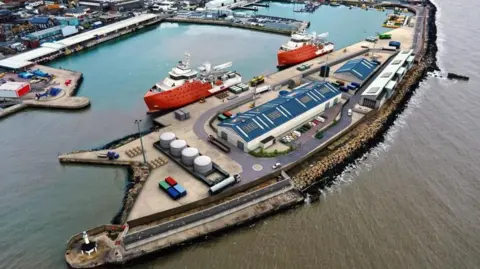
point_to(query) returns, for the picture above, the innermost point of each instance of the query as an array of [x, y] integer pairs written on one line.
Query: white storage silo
[[189, 155], [177, 146], [202, 164], [166, 139]]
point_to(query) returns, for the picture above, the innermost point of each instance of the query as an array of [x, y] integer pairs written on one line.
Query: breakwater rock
[[369, 133]]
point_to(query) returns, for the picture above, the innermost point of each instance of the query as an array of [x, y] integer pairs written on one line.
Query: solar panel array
[[280, 110]]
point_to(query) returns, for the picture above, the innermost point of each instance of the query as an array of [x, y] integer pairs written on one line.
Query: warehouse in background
[[356, 70], [383, 87], [106, 5], [257, 127]]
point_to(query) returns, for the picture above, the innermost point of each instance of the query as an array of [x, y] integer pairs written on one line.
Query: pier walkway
[[150, 234]]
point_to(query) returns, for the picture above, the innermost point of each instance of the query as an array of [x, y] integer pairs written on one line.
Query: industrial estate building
[[356, 70], [383, 87], [105, 5], [260, 126]]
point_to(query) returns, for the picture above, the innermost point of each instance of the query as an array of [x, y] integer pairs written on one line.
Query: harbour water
[[411, 203]]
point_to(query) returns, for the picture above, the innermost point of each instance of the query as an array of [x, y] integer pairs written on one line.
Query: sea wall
[[371, 132], [230, 24]]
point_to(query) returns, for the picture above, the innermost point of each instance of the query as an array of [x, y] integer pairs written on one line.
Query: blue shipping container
[[351, 87], [394, 44], [355, 84], [173, 193], [344, 89], [180, 189]]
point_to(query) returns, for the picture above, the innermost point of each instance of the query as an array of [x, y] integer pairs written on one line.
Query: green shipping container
[[163, 185], [221, 117]]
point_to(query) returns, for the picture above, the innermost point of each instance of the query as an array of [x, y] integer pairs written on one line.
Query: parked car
[[277, 165], [349, 112]]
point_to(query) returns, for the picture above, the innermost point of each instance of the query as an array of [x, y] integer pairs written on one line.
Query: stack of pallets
[[155, 163], [222, 95], [133, 152]]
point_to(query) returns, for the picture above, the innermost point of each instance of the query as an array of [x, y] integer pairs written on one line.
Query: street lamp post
[[137, 122]]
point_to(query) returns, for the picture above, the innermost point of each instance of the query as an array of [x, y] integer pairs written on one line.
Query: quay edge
[[229, 24]]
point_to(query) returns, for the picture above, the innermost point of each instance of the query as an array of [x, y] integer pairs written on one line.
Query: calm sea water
[[411, 203]]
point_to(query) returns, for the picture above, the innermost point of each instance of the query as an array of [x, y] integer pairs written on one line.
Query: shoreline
[[390, 112]]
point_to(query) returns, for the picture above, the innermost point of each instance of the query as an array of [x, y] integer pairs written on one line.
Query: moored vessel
[[303, 47], [185, 85]]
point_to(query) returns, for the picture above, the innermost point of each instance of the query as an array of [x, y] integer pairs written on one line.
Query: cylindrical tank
[[166, 139], [177, 146], [188, 155], [202, 164]]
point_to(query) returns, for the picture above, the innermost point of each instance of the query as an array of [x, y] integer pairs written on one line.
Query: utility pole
[[137, 122]]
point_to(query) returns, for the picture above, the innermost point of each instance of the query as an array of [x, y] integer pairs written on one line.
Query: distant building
[[219, 3], [384, 85], [105, 5], [6, 16], [78, 12], [73, 21], [42, 22], [53, 34], [47, 35], [356, 70], [260, 126]]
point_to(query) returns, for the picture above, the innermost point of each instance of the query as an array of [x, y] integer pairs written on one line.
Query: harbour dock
[[154, 221], [31, 60], [65, 99]]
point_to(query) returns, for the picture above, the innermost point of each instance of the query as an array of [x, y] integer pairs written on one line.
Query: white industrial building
[[219, 3], [260, 126], [383, 87]]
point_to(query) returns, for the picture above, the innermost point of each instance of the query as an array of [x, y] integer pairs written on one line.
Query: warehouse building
[[260, 126], [383, 87], [355, 70], [42, 22]]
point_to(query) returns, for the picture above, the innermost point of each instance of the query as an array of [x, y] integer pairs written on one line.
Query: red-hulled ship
[[185, 85], [303, 47]]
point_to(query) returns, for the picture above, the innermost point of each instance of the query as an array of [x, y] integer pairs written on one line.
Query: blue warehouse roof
[[40, 20], [260, 120], [361, 68]]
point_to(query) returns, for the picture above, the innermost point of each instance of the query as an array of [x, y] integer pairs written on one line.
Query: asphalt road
[[162, 228]]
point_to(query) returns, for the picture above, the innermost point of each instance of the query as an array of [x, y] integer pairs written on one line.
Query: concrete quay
[[63, 100], [124, 245], [230, 24]]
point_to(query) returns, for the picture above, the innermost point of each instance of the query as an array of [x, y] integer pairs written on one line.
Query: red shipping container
[[171, 181], [227, 114], [14, 89]]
